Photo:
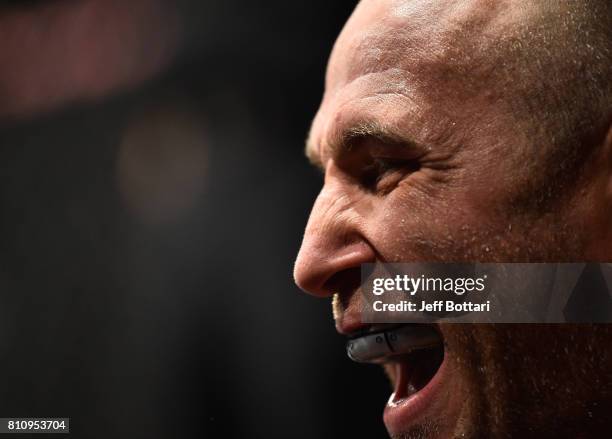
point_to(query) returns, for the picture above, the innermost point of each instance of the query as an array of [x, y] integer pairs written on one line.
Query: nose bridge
[[335, 211], [332, 240], [330, 218]]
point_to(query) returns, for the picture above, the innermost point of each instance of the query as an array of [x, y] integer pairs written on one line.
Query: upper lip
[[351, 324], [356, 330], [348, 323]]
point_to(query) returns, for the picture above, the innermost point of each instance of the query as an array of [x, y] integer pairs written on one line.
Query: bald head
[[471, 131], [547, 44], [466, 72]]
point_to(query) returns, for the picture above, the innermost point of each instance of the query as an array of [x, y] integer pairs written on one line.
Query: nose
[[333, 245]]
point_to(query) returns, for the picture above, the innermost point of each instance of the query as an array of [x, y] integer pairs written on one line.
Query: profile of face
[[470, 131]]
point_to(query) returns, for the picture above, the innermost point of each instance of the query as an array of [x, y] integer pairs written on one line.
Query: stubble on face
[[507, 174]]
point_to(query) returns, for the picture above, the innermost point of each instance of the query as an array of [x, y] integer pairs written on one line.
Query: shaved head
[[472, 130], [528, 81], [544, 67]]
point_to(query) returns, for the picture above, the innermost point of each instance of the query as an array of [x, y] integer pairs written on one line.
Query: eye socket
[[382, 174], [376, 164]]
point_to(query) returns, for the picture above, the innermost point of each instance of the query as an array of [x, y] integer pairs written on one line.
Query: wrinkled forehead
[[419, 36]]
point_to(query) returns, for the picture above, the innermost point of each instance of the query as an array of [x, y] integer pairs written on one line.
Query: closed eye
[[382, 175]]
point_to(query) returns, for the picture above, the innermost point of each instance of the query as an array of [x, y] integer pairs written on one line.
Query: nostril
[[344, 282], [322, 269]]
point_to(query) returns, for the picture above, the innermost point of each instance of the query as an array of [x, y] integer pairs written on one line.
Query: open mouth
[[413, 355], [414, 371]]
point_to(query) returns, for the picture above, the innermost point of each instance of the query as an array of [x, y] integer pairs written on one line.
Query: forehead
[[418, 62], [419, 35]]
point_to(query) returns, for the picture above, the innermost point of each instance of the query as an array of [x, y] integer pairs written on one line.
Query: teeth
[[403, 385], [376, 347], [410, 390], [396, 398]]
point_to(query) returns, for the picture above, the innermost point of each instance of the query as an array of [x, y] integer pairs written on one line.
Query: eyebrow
[[346, 138]]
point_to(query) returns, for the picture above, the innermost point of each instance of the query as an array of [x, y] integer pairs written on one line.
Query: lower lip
[[401, 415]]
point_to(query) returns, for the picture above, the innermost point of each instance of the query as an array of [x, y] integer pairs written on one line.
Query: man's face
[[431, 152]]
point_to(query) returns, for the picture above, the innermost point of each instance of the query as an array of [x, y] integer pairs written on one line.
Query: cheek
[[409, 225], [431, 220]]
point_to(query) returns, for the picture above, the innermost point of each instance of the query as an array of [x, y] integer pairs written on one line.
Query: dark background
[[147, 243]]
